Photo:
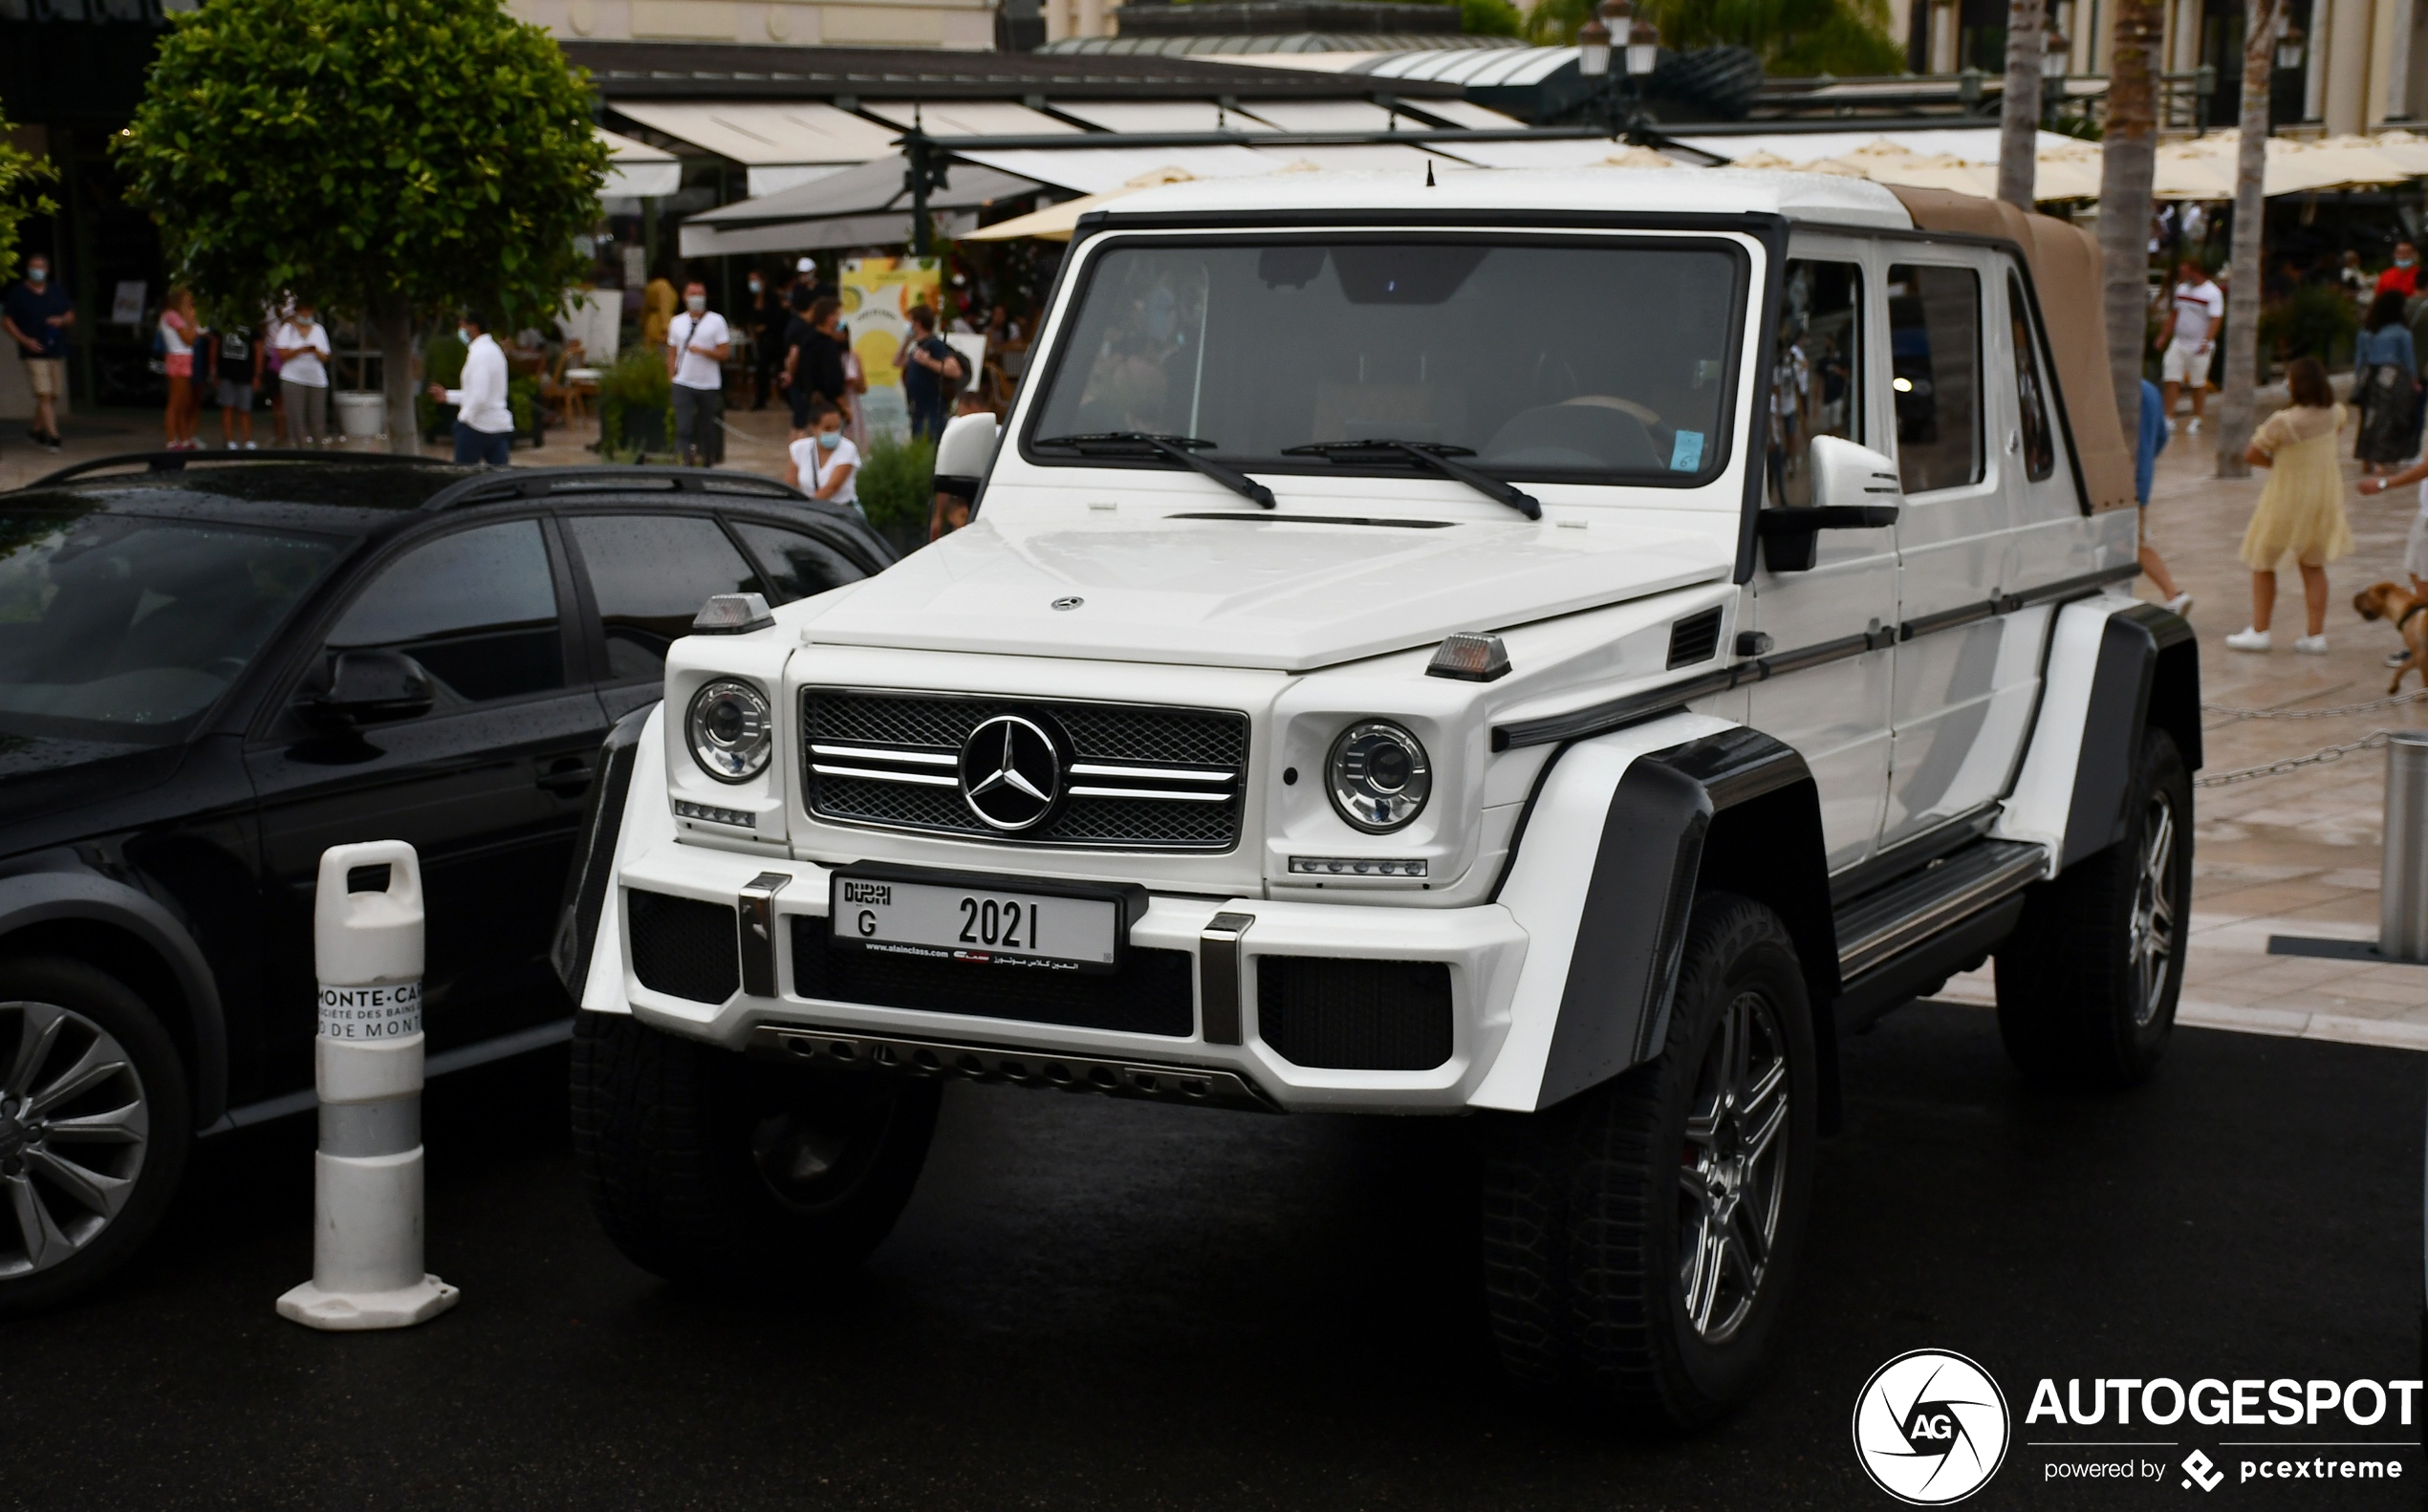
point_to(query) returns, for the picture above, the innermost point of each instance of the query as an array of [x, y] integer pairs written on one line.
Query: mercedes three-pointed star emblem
[[1010, 773]]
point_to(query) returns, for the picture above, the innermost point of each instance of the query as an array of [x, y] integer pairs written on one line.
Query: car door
[[1963, 674], [488, 785], [1835, 714], [644, 576]]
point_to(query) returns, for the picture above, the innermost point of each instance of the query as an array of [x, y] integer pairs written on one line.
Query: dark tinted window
[[2032, 394], [650, 575], [1815, 381], [1934, 347], [796, 564], [477, 608]]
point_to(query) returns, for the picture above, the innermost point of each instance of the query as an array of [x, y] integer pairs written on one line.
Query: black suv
[[211, 673]]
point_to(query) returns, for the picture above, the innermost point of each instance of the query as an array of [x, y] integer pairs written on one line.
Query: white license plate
[[978, 923]]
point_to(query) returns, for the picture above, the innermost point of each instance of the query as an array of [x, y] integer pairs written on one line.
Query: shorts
[[47, 376], [2416, 547], [2187, 363], [235, 396], [180, 364]]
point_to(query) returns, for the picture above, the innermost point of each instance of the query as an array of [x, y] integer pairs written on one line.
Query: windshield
[[116, 626], [1547, 359]]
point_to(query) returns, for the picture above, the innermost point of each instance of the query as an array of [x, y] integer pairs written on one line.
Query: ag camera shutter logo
[[1930, 1428]]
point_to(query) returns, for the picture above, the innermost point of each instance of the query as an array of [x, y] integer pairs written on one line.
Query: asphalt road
[[1093, 1304]]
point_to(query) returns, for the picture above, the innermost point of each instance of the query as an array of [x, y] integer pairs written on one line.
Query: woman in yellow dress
[[2301, 513]]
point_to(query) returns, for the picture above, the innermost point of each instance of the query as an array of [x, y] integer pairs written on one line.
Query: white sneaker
[[2170, 424], [2248, 640], [2396, 658], [2196, 425], [250, 446], [2311, 645], [2180, 604]]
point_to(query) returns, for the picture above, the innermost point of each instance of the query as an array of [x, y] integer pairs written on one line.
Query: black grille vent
[[1208, 740], [1354, 1015], [1150, 994], [1694, 639], [684, 947]]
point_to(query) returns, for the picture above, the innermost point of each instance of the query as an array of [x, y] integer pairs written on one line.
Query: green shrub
[[2319, 321], [897, 489], [443, 363], [1490, 19], [522, 402], [636, 403]]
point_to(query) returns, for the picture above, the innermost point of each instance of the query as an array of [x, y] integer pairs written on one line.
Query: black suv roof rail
[[538, 483], [179, 461]]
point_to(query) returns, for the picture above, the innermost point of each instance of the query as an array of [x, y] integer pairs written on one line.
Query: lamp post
[[2056, 51], [1616, 35], [2205, 88]]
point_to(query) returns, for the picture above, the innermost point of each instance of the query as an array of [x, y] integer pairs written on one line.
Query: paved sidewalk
[[2295, 854]]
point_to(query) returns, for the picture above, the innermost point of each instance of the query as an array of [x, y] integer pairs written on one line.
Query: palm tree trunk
[[2250, 214], [2019, 106], [391, 320], [2128, 154]]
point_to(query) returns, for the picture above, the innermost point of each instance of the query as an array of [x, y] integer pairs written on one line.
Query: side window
[[1815, 386], [2031, 392], [796, 565], [650, 574], [477, 609], [1935, 357]]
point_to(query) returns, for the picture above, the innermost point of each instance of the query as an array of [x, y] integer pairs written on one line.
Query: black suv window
[[796, 564], [650, 574], [477, 608]]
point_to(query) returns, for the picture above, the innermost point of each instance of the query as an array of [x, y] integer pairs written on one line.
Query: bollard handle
[[375, 935]]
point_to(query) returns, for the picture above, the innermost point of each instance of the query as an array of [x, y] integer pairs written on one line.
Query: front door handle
[[568, 777]]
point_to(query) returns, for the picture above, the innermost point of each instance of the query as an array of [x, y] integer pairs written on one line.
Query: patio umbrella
[[1056, 222]]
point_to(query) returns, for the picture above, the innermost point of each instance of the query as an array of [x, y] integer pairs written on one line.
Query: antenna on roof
[[1428, 173]]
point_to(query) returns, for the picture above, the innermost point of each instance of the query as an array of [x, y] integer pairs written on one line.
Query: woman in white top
[[824, 462]]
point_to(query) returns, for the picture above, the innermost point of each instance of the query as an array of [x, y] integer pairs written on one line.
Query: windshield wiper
[[1429, 455], [1176, 449]]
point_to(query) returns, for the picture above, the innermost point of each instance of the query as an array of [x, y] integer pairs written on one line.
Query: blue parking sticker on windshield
[[1688, 454]]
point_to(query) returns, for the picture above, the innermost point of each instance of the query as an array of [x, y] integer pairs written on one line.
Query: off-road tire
[[1585, 1211], [677, 1140], [2074, 1005], [158, 1078]]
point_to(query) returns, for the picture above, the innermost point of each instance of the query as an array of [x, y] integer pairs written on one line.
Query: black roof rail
[[179, 461], [540, 483]]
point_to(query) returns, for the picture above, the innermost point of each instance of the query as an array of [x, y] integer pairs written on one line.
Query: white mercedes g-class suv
[[1559, 649]]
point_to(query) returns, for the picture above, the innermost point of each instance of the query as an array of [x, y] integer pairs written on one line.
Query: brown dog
[[2409, 613]]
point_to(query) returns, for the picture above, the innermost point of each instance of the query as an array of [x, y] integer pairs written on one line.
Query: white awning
[[1095, 170], [636, 170], [972, 117], [861, 206], [1158, 115], [1332, 115], [1583, 152], [1469, 115], [809, 236], [754, 135]]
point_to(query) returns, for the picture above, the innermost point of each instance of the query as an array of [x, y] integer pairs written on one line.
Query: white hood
[[1253, 592]]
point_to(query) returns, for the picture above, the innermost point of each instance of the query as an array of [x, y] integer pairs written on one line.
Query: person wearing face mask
[[2403, 277], [824, 464], [484, 421], [768, 319], [698, 343], [36, 315], [303, 375]]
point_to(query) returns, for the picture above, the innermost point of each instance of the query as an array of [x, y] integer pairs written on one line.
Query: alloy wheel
[[1731, 1177], [75, 1125], [2154, 910]]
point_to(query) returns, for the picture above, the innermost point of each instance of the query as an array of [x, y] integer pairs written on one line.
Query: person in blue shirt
[[36, 315], [2145, 459]]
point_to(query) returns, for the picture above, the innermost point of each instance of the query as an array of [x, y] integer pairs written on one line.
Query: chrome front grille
[[1140, 777]]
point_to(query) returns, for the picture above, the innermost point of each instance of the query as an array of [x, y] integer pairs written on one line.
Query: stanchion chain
[[2340, 711], [2332, 753]]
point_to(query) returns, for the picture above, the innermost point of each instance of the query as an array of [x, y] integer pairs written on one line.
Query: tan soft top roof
[[2066, 274]]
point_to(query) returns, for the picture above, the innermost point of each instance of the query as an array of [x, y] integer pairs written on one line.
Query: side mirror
[[1854, 488], [372, 687], [964, 452]]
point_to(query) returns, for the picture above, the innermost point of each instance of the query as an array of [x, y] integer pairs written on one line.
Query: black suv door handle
[[568, 777]]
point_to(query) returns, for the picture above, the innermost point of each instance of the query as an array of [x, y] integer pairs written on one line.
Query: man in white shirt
[[697, 345], [303, 379], [2200, 304], [484, 422]]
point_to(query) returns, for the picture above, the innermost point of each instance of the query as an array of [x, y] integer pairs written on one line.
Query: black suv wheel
[[1639, 1236], [703, 1165], [2087, 984], [94, 1128]]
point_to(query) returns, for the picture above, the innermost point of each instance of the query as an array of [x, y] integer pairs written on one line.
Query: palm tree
[[2019, 105], [2128, 156], [2250, 214]]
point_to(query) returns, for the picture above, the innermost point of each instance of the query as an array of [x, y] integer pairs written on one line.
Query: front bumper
[[1481, 948]]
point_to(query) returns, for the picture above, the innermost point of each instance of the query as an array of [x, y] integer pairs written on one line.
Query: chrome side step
[[1909, 911], [986, 1063]]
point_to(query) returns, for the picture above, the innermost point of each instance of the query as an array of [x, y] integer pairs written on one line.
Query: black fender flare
[[587, 882], [1735, 810], [72, 892], [2148, 673]]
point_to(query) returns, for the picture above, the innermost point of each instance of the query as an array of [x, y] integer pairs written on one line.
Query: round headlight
[[1379, 776], [731, 734]]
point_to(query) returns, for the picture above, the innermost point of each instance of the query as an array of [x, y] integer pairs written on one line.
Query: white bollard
[[366, 1243]]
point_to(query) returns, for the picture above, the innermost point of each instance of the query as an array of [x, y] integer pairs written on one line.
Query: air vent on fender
[[1694, 639]]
